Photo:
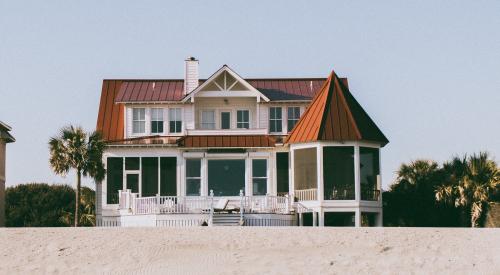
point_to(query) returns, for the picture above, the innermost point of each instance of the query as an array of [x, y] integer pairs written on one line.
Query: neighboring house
[[5, 137], [233, 150]]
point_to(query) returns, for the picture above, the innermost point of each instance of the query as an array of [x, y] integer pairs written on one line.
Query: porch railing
[[200, 204], [306, 194], [370, 194]]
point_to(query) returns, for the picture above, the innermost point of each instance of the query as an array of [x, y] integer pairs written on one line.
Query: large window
[[282, 172], [207, 119], [114, 179], [168, 176], [226, 177], [193, 177], [293, 115], [175, 120], [242, 119], [275, 120], [369, 168], [149, 176], [338, 171], [138, 120], [305, 169], [259, 177], [156, 120]]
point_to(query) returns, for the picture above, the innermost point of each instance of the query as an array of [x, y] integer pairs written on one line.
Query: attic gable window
[[138, 120], [175, 120], [156, 120], [275, 120]]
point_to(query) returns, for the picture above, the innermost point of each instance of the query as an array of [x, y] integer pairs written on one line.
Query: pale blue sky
[[427, 72]]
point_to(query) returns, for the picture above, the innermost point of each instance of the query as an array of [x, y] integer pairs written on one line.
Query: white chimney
[[191, 75]]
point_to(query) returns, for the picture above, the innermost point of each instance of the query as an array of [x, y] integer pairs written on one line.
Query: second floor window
[[156, 120], [175, 120], [242, 119], [138, 120], [293, 117], [208, 119], [275, 120]]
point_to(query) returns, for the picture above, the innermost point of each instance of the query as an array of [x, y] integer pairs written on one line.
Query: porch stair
[[226, 219]]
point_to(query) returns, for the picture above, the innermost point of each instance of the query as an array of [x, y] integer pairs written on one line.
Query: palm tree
[[71, 149], [471, 183]]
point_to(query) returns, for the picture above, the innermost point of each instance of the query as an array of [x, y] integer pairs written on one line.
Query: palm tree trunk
[[77, 193]]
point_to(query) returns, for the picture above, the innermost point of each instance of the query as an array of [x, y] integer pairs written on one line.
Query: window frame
[[173, 119], [242, 122], [202, 123], [159, 118], [230, 120], [275, 120], [266, 177], [138, 120], [295, 119], [199, 178]]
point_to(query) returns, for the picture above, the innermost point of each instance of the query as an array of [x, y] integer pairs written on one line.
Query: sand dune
[[246, 250]]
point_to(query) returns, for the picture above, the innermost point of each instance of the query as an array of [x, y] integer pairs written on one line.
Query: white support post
[[357, 177], [315, 222], [319, 169], [291, 175], [157, 203], [204, 177], [357, 218], [301, 219], [211, 218], [241, 207], [380, 219], [321, 218]]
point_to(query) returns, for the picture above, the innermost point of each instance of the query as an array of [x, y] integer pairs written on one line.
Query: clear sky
[[427, 72]]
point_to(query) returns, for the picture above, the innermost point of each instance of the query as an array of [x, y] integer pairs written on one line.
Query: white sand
[[246, 250]]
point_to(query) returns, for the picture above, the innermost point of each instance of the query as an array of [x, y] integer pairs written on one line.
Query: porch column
[[314, 219], [291, 175], [319, 171], [204, 177], [321, 218], [357, 217], [357, 177], [301, 219], [379, 220]]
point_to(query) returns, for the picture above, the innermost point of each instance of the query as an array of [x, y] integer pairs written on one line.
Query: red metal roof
[[335, 115], [239, 141], [172, 89], [110, 117]]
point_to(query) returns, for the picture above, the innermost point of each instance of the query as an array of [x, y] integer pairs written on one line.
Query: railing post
[[241, 207], [157, 203], [287, 204], [211, 217]]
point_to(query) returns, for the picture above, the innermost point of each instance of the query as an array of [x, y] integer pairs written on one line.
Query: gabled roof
[[4, 133], [238, 79], [335, 115]]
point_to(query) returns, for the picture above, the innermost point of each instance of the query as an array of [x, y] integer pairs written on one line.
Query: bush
[[43, 205]]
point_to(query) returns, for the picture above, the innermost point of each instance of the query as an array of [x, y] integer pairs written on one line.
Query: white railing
[[306, 194], [177, 205], [201, 204], [266, 204]]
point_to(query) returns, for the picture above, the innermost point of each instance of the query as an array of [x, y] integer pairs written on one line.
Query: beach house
[[5, 137], [230, 150]]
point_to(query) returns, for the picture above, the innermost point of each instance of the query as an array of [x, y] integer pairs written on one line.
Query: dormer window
[[156, 120], [242, 119], [138, 120], [275, 120], [293, 117], [175, 120]]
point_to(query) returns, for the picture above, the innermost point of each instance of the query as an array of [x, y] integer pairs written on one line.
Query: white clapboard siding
[[264, 116], [188, 116]]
